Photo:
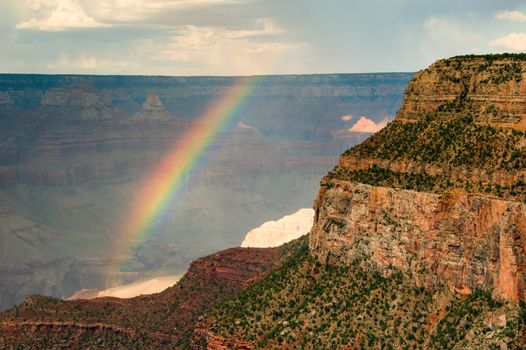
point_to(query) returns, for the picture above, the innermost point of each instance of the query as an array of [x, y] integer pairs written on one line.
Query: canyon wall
[[495, 87], [439, 193], [458, 240]]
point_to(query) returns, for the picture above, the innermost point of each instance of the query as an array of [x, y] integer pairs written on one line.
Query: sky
[[248, 37]]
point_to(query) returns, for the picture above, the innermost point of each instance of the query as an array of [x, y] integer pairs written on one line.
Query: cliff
[[444, 189], [79, 102], [463, 241], [491, 87], [281, 231]]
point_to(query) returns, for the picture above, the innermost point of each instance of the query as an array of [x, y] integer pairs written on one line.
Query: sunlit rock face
[[151, 286], [374, 208], [276, 233]]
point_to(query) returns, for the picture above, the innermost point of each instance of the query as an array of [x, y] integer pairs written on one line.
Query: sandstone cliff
[[492, 88], [281, 231], [460, 240], [439, 192]]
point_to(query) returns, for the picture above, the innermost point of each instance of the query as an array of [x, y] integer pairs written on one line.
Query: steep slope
[[419, 236], [309, 305], [165, 319]]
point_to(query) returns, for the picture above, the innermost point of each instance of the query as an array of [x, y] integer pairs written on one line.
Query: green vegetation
[[423, 182], [490, 58], [457, 141], [376, 176], [307, 305], [463, 154], [499, 73]]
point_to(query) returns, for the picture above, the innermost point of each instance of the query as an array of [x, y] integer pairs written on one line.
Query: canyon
[[76, 149], [413, 245]]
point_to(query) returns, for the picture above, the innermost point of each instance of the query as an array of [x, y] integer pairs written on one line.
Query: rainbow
[[160, 189]]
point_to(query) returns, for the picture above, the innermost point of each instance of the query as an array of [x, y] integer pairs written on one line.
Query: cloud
[[367, 125], [65, 14], [61, 15], [138, 10], [218, 50], [84, 63], [347, 118], [515, 16], [512, 42]]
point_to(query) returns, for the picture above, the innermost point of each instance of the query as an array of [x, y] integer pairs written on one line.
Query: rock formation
[[460, 240], [77, 102], [493, 89], [165, 319], [5, 99], [276, 233], [152, 109], [439, 192]]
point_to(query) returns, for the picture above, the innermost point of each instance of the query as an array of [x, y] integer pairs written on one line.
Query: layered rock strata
[[495, 86], [77, 102], [459, 240], [439, 193]]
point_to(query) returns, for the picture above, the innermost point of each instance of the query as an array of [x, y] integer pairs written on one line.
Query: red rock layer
[[461, 241]]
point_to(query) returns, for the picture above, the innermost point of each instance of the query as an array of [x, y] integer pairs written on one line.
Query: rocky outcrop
[[494, 87], [152, 109], [456, 143], [78, 102], [458, 240], [166, 319]]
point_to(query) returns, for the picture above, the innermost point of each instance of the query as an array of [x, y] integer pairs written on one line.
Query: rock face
[[78, 102], [5, 99], [152, 109], [494, 85], [150, 286], [276, 233], [458, 240], [439, 193]]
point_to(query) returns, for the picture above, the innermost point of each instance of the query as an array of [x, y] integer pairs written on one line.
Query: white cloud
[[515, 16], [84, 63], [137, 10], [367, 125], [58, 15], [347, 118], [511, 42], [219, 50]]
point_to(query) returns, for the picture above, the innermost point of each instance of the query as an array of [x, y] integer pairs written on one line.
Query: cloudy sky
[[243, 37]]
